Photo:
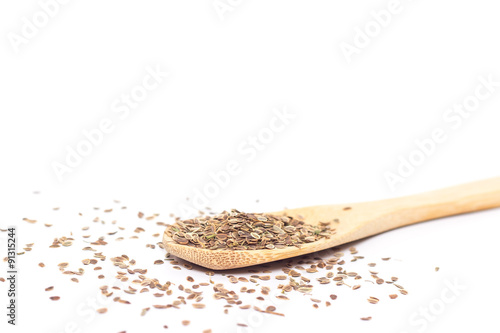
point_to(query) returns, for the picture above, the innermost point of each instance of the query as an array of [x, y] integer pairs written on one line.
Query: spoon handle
[[465, 198]]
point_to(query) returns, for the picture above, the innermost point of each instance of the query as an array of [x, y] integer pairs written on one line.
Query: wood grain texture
[[359, 221]]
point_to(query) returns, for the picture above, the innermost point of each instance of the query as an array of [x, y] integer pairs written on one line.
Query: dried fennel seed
[[242, 231]]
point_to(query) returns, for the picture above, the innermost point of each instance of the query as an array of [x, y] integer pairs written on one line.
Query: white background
[[228, 73]]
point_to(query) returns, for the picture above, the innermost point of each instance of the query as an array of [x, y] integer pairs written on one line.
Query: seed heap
[[236, 291], [241, 231]]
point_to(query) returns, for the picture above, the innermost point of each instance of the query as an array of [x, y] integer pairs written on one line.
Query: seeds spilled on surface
[[236, 230], [260, 288]]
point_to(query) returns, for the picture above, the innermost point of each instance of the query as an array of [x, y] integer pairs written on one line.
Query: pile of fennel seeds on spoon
[[236, 230]]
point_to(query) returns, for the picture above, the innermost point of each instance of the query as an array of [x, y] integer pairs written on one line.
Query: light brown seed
[[102, 310], [55, 298]]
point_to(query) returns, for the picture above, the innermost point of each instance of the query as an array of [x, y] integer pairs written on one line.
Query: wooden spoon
[[355, 221]]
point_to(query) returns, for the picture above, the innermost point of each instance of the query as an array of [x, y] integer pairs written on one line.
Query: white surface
[[352, 122]]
